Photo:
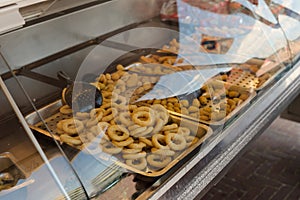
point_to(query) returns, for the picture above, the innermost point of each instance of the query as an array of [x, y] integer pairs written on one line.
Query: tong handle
[[63, 76]]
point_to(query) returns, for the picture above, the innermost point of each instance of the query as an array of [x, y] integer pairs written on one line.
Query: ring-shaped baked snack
[[100, 128], [91, 122], [108, 118], [159, 141], [130, 151], [70, 140], [118, 133], [120, 107], [171, 131], [104, 139], [184, 131], [60, 131], [142, 118], [72, 126], [96, 113], [66, 110], [162, 112], [139, 163], [170, 127], [93, 148], [164, 117], [123, 143], [133, 156], [190, 140], [175, 141], [138, 145], [146, 109], [110, 111], [118, 99], [108, 147], [163, 152], [82, 115], [158, 161], [145, 133], [138, 130], [125, 118], [133, 127], [147, 141], [105, 106], [158, 126], [59, 125], [109, 114], [103, 126], [89, 136], [96, 130], [159, 108], [132, 108]]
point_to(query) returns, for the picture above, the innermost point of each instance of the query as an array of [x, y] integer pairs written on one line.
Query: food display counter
[[140, 99]]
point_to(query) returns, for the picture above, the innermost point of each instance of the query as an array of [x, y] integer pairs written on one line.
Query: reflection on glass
[[181, 83], [292, 5], [249, 37], [261, 9]]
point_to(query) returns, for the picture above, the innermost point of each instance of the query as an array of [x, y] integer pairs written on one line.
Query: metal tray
[[51, 115], [248, 80], [230, 116], [151, 173]]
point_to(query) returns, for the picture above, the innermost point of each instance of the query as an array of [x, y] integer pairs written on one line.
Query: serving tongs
[[81, 96]]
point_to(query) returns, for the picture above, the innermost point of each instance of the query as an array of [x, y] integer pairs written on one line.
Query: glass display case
[[140, 99]]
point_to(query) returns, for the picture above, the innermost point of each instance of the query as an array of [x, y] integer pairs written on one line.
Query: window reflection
[[248, 37]]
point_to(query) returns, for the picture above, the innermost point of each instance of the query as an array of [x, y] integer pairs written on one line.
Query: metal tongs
[[81, 96]]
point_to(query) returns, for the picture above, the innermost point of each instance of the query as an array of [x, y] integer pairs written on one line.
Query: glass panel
[[27, 169], [74, 165], [288, 18]]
